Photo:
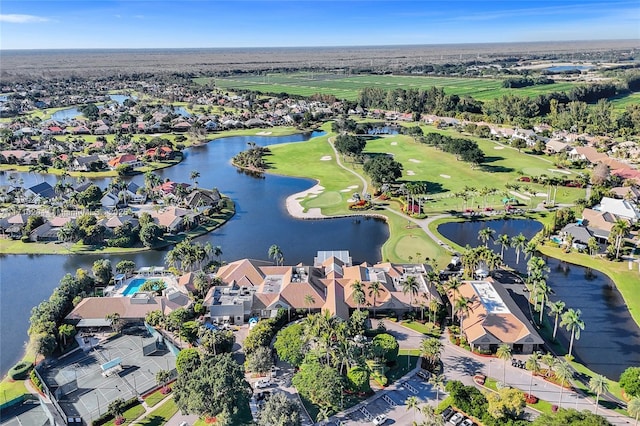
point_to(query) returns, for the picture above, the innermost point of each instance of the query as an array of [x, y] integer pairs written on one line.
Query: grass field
[[160, 415], [425, 163], [348, 86]]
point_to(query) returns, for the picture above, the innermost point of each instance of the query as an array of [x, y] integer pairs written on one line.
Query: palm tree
[[556, 309], [543, 290], [309, 301], [619, 230], [412, 404], [598, 384], [530, 249], [433, 309], [323, 414], [276, 254], [114, 320], [633, 408], [485, 234], [375, 290], [519, 242], [432, 418], [453, 285], [504, 241], [504, 353], [533, 364], [571, 320], [193, 176], [462, 307], [431, 347], [411, 286], [593, 246], [65, 331], [550, 362], [563, 372], [438, 382]]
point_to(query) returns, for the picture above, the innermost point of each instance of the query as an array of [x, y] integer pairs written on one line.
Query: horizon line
[[330, 46]]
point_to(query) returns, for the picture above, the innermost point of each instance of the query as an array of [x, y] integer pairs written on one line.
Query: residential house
[[86, 163], [555, 146], [48, 231], [37, 194], [125, 159], [201, 199], [620, 208], [631, 193], [599, 223], [588, 154], [494, 318], [110, 200]]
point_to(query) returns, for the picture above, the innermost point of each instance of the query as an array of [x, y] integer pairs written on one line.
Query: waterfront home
[[125, 160], [494, 318], [200, 199], [631, 193], [48, 231], [599, 223], [37, 194], [257, 288], [85, 163]]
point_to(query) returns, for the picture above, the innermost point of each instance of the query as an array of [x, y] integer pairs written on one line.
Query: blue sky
[[27, 24]]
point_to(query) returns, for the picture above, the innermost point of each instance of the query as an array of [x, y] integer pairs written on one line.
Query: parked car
[[263, 383], [467, 422], [423, 375], [447, 413], [456, 419], [379, 419]]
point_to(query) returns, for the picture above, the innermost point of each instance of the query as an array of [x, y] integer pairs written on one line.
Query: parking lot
[[83, 390], [391, 402]]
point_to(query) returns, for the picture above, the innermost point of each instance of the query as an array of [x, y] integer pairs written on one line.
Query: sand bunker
[[345, 190], [446, 176], [498, 147], [541, 194], [353, 186], [394, 143], [326, 158], [411, 173], [263, 133], [413, 160]]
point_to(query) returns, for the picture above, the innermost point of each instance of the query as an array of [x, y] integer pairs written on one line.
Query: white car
[[379, 420], [263, 383], [456, 419]]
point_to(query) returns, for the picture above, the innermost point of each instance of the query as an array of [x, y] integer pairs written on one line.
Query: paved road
[[460, 364]]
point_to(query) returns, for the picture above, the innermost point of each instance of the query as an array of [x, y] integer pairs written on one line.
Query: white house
[[620, 208]]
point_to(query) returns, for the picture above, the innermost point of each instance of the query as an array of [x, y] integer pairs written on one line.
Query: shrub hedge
[[20, 371]]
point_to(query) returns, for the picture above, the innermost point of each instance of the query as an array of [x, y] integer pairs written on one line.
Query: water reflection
[[610, 341]]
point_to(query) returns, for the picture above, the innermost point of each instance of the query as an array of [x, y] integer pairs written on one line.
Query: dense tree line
[[525, 81], [47, 316], [464, 149], [349, 144], [431, 101]]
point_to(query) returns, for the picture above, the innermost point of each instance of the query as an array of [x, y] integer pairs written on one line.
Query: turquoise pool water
[[133, 287], [556, 240]]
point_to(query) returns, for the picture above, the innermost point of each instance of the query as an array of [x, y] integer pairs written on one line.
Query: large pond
[[610, 341], [261, 220]]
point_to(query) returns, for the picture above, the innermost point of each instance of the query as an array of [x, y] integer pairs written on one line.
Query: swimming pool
[[133, 287], [556, 240]]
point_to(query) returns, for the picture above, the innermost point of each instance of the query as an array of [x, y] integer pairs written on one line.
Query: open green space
[[160, 415], [541, 406], [130, 415], [155, 397], [348, 86], [428, 328], [620, 103]]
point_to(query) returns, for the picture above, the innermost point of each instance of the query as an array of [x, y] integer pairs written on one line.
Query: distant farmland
[[348, 87]]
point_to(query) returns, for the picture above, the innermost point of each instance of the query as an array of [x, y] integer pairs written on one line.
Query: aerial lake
[[610, 341], [261, 220]]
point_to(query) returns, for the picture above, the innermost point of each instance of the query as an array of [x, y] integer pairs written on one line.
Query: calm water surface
[[610, 341], [261, 220]]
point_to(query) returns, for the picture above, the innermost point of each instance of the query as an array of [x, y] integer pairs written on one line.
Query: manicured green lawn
[[155, 398], [10, 390], [349, 86], [405, 363], [427, 329], [542, 405], [160, 415], [130, 415]]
